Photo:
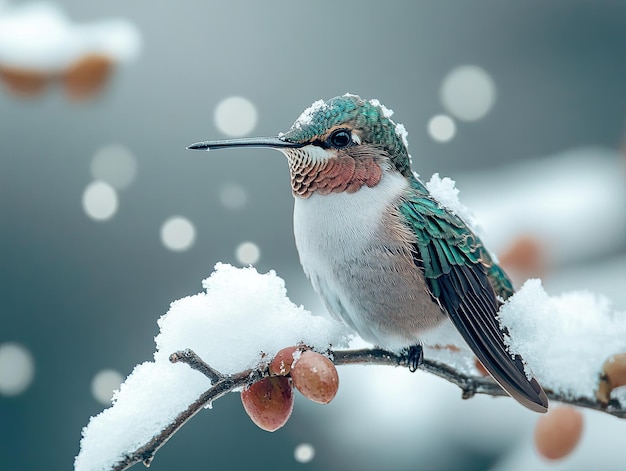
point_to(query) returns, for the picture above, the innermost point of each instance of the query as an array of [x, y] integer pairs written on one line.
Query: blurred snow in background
[[38, 43], [573, 205], [38, 35]]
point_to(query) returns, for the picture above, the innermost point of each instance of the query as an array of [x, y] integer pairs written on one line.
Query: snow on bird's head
[[369, 119]]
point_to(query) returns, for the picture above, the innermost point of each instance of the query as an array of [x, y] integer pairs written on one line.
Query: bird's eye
[[340, 138]]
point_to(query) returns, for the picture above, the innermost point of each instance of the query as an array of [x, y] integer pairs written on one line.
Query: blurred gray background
[[83, 295]]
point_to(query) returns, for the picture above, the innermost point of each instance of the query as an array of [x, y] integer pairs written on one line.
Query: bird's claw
[[415, 357]]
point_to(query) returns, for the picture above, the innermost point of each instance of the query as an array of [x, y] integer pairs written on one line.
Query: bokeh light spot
[[441, 128], [178, 233], [247, 253], [114, 164], [17, 369], [235, 116], [304, 453], [100, 201], [233, 196], [104, 383], [468, 93]]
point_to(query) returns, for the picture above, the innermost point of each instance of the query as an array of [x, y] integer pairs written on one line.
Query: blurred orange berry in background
[[558, 432]]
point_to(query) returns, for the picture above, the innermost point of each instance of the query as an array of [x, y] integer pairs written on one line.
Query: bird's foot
[[415, 357]]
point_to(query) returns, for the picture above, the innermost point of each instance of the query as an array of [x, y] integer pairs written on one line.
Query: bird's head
[[334, 146]]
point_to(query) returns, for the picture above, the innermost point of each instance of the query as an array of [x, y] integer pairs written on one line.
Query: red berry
[[269, 402], [281, 364], [315, 377]]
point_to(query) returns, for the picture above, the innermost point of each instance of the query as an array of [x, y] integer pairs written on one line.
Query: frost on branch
[[244, 319]]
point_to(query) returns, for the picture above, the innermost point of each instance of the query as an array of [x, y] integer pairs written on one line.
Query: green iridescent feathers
[[445, 241], [369, 118], [500, 281]]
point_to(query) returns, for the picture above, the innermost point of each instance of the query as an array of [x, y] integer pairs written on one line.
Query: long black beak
[[273, 142]]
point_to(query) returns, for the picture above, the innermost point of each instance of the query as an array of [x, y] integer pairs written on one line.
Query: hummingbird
[[385, 256]]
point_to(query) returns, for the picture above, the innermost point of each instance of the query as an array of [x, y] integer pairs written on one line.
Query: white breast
[[339, 225], [343, 245]]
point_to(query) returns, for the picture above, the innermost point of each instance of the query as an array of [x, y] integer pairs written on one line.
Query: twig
[[470, 385], [195, 362], [222, 384]]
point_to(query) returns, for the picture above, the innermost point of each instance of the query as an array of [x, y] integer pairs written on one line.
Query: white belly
[[364, 273]]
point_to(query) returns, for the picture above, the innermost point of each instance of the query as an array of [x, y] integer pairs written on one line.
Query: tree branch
[[222, 384]]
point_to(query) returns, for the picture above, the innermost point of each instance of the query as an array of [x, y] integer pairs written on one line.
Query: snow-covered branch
[[222, 384], [224, 339]]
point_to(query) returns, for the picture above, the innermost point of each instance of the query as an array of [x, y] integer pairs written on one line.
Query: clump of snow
[[564, 339], [446, 193], [402, 133], [399, 128], [39, 36], [387, 113], [306, 117], [241, 315], [149, 400]]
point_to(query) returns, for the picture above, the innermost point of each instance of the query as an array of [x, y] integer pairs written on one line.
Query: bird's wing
[[457, 270]]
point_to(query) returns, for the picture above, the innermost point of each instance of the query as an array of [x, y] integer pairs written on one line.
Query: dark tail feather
[[472, 306]]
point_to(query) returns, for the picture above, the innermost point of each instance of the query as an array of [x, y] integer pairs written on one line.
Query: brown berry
[[315, 377], [525, 256], [558, 432], [269, 402], [87, 76], [613, 376], [24, 82], [281, 364]]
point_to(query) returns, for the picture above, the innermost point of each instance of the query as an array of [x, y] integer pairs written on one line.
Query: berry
[[281, 364], [269, 402], [558, 432], [315, 376]]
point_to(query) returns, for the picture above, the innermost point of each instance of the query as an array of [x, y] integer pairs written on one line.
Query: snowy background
[[106, 218]]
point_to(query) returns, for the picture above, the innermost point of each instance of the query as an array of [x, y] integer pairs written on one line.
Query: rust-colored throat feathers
[[343, 171]]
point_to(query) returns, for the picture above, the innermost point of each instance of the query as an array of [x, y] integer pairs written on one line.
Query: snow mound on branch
[[242, 315], [564, 339]]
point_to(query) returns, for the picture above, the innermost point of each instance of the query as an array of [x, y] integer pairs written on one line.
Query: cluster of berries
[[269, 402]]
